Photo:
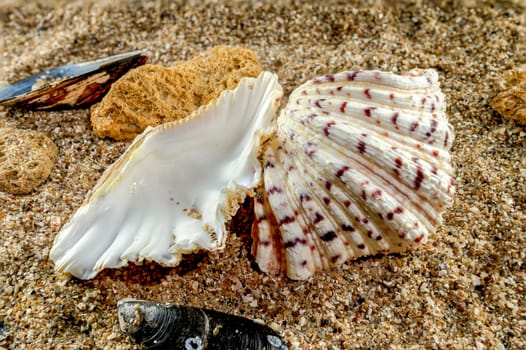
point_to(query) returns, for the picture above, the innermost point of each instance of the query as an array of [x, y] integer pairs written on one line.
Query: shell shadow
[[151, 273], [241, 226]]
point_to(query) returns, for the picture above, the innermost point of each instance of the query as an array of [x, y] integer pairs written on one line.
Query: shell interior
[[173, 189]]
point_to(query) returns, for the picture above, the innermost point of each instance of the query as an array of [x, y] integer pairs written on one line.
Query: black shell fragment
[[169, 326], [73, 85]]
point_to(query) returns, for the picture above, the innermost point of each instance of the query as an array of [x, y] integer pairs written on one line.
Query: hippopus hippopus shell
[[359, 166]]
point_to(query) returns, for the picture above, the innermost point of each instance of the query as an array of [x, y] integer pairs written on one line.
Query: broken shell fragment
[[359, 166], [73, 85], [175, 187], [511, 102], [169, 326]]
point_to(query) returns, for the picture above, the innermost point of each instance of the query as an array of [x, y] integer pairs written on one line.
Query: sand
[[466, 289]]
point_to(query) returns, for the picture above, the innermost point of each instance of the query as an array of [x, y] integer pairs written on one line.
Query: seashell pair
[[169, 326], [356, 165]]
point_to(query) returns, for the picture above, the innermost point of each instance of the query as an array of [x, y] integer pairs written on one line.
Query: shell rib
[[359, 166], [173, 189]]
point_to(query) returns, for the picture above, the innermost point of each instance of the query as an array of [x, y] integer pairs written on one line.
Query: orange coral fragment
[[151, 95]]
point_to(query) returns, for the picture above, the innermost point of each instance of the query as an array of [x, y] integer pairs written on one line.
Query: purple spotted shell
[[359, 166]]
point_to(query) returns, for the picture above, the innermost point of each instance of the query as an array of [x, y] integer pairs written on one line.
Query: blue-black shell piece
[[169, 326], [76, 89]]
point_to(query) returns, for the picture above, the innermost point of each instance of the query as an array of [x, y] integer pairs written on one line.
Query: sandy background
[[465, 290]]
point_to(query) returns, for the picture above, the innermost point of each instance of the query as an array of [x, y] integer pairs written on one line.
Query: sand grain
[[466, 290]]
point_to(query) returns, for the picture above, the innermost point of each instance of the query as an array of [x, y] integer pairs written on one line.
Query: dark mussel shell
[[73, 85], [169, 326]]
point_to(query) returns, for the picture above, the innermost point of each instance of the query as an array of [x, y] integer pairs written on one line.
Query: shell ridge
[[295, 245], [363, 165], [270, 253], [383, 154], [327, 179], [366, 169], [322, 229], [326, 225], [310, 239], [412, 80], [421, 127], [356, 184], [430, 128], [409, 104], [433, 155], [348, 228], [266, 242]]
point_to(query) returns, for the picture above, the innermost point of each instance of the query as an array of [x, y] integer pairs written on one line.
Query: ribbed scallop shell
[[359, 166]]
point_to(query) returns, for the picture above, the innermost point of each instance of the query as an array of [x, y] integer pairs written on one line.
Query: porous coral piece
[[151, 95], [511, 103], [26, 159]]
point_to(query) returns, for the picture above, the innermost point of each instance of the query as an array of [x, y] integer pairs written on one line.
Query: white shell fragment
[[359, 166], [175, 187]]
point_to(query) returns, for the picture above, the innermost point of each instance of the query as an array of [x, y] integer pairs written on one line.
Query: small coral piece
[[26, 159], [511, 103], [151, 95]]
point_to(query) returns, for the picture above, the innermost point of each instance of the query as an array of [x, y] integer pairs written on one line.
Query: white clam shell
[[359, 166], [174, 188]]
